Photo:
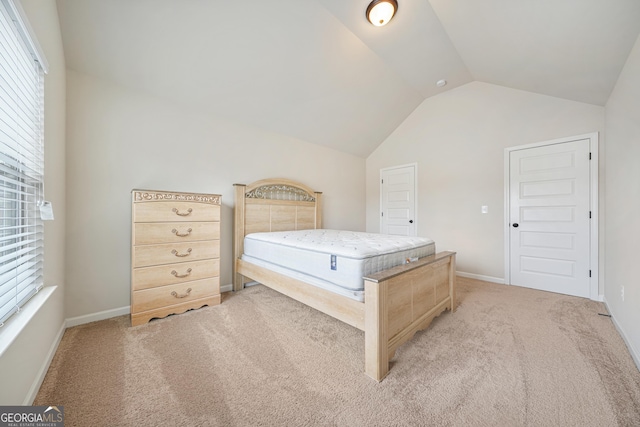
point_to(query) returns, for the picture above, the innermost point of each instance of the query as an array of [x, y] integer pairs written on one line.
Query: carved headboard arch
[[274, 204]]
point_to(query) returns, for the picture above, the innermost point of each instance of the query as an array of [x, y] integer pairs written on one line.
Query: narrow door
[[398, 201], [549, 190]]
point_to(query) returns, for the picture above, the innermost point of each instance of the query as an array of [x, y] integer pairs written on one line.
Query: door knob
[[410, 221], [515, 224]]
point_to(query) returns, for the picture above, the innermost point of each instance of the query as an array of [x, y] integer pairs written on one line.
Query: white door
[[549, 217], [398, 201]]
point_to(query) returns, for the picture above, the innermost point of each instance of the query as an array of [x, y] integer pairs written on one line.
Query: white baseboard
[[101, 315], [480, 277], [635, 355], [33, 391], [107, 314]]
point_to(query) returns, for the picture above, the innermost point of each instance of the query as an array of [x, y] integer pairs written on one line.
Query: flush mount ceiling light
[[379, 12]]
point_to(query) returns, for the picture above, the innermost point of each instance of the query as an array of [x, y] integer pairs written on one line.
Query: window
[[21, 162]]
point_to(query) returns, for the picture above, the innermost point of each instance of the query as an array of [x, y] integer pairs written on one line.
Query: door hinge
[[589, 214], [589, 273], [381, 213], [382, 181], [589, 156]]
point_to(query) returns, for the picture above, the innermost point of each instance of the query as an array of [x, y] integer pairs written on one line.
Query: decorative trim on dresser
[[175, 253]]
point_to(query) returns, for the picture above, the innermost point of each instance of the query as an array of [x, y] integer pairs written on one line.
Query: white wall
[[458, 139], [622, 245], [120, 139], [22, 364]]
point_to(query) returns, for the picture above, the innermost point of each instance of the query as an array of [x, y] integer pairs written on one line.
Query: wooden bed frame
[[398, 302]]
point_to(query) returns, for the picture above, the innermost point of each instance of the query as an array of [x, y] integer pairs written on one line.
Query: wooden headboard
[[274, 204]]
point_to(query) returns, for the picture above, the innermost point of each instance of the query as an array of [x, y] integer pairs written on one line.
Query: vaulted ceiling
[[318, 71]]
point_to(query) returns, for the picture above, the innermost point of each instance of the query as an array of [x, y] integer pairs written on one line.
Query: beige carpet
[[508, 357]]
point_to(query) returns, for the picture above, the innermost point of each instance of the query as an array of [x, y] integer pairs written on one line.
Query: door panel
[[549, 216], [530, 239], [547, 188], [547, 266]]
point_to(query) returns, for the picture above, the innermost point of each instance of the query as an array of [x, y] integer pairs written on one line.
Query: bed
[[400, 293]]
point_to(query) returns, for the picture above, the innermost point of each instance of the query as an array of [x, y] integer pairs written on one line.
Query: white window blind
[[21, 164]]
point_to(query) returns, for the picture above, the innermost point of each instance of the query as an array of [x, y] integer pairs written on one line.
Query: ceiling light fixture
[[379, 12]]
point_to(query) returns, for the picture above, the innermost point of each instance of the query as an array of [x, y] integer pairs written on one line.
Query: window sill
[[14, 326]]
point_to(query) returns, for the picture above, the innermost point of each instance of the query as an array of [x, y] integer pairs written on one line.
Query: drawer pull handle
[[175, 252], [186, 294], [177, 233], [175, 273], [182, 213]]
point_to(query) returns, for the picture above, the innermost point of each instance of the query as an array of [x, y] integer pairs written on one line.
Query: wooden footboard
[[401, 301], [398, 303]]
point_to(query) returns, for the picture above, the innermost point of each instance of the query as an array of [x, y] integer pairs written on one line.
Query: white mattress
[[333, 259]]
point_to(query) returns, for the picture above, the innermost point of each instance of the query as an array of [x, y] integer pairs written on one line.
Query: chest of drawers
[[175, 253]]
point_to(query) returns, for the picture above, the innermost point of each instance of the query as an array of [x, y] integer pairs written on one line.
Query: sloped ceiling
[[318, 71]]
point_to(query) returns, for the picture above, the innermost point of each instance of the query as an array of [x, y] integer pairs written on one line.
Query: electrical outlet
[[622, 292]]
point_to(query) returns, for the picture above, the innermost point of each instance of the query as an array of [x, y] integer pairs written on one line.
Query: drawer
[[175, 211], [174, 232], [167, 253], [164, 296], [169, 274]]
